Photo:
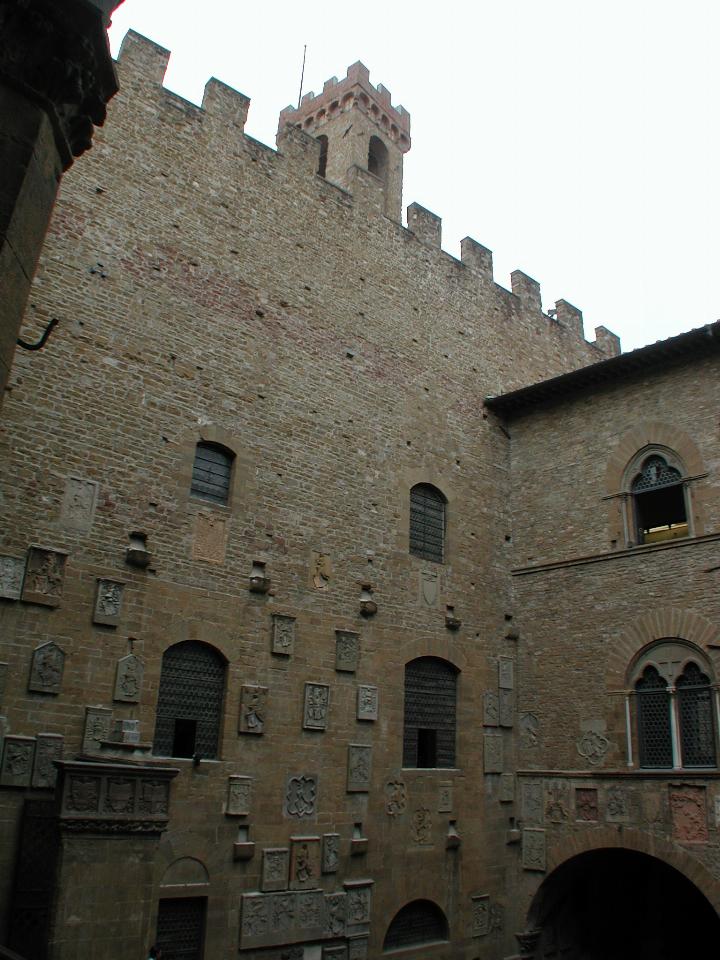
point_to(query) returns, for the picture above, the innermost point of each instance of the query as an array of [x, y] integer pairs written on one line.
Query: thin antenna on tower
[[302, 75]]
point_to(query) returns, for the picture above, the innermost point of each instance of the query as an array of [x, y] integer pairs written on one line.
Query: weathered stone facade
[[213, 291]]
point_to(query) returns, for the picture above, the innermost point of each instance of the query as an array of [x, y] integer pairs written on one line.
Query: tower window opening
[[322, 162], [378, 158]]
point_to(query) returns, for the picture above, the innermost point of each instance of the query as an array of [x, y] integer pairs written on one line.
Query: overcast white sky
[[578, 139]]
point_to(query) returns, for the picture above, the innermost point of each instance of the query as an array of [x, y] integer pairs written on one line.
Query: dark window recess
[[695, 713], [211, 473], [427, 523], [378, 158], [190, 701], [653, 709], [429, 730], [322, 162], [659, 496], [421, 921], [181, 928]]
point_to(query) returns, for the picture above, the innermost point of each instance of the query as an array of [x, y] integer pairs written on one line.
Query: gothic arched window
[[427, 522], [189, 707], [211, 474], [659, 506], [419, 922], [430, 710]]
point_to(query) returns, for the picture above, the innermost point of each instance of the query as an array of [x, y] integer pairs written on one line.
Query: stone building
[[352, 604]]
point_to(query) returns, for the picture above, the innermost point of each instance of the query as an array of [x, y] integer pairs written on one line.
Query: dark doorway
[[621, 905], [181, 928]]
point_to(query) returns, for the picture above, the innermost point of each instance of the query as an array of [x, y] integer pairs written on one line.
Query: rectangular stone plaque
[[347, 651], [445, 797], [283, 635], [253, 703], [108, 602], [210, 537], [330, 852], [689, 813], [275, 868], [304, 863], [506, 679], [316, 706], [533, 849], [532, 795], [78, 508], [46, 669], [480, 915], [17, 761], [359, 903], [367, 702], [12, 570], [491, 709], [239, 796], [358, 770], [128, 679], [44, 576], [507, 788], [49, 747], [97, 727], [335, 911], [493, 753], [507, 707]]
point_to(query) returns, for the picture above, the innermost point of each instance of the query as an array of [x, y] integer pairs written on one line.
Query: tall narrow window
[[189, 708], [419, 922], [378, 158], [653, 709], [427, 523], [211, 473], [695, 710], [322, 162], [659, 499], [430, 704]]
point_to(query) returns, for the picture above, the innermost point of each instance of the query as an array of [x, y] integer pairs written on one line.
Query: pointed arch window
[[427, 522], [659, 501]]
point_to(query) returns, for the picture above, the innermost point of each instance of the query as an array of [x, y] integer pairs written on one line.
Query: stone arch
[[401, 932], [185, 871], [241, 477]]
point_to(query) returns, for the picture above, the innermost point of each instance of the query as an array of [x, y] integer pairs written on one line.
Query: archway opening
[[621, 905]]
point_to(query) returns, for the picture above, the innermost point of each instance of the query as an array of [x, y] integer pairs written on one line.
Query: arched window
[[212, 469], [322, 162], [189, 707], [675, 711], [427, 522], [658, 494], [378, 158], [429, 721], [419, 922]]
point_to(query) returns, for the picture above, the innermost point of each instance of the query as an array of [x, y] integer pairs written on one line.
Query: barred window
[[189, 708], [211, 472], [430, 708], [675, 713], [419, 922], [658, 493], [427, 522], [181, 928]]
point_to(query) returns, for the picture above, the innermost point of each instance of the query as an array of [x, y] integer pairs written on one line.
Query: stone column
[[56, 75]]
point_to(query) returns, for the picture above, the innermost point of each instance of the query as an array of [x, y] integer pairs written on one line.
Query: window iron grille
[[181, 928], [418, 922], [211, 473], [430, 713], [695, 714], [655, 473], [654, 731], [427, 523]]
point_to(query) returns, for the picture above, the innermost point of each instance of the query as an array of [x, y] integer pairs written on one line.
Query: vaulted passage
[[621, 905]]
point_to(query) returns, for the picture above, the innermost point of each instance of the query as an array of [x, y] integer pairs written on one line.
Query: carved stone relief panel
[[357, 948], [557, 801], [367, 702], [153, 797], [491, 709], [586, 804], [429, 587], [78, 507], [422, 826], [275, 868], [239, 796], [119, 795], [283, 635], [533, 849], [97, 727], [320, 570], [506, 673], [507, 708], [46, 671], [395, 798], [531, 792], [480, 915], [330, 852], [592, 745], [49, 747], [12, 570], [358, 770], [44, 576], [335, 912], [311, 912], [128, 679], [304, 863], [507, 788], [108, 602], [210, 537], [17, 761], [301, 796], [316, 706], [493, 753], [617, 806], [689, 813], [82, 794], [497, 918], [529, 730], [359, 902], [347, 651], [253, 708], [445, 797]]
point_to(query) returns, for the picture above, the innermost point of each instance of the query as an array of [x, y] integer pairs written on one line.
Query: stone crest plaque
[[617, 806], [532, 796], [11, 577], [17, 761], [492, 753], [316, 706], [422, 826], [47, 667], [301, 796], [253, 702], [480, 915], [586, 804], [506, 673], [445, 797], [358, 769], [239, 796], [304, 863], [330, 852], [49, 747], [507, 707], [210, 537], [367, 702], [533, 849], [78, 508], [429, 586], [491, 709], [283, 634], [128, 679], [97, 727], [689, 814], [275, 868], [359, 899], [529, 730], [347, 651], [44, 575], [108, 602], [395, 798], [335, 911]]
